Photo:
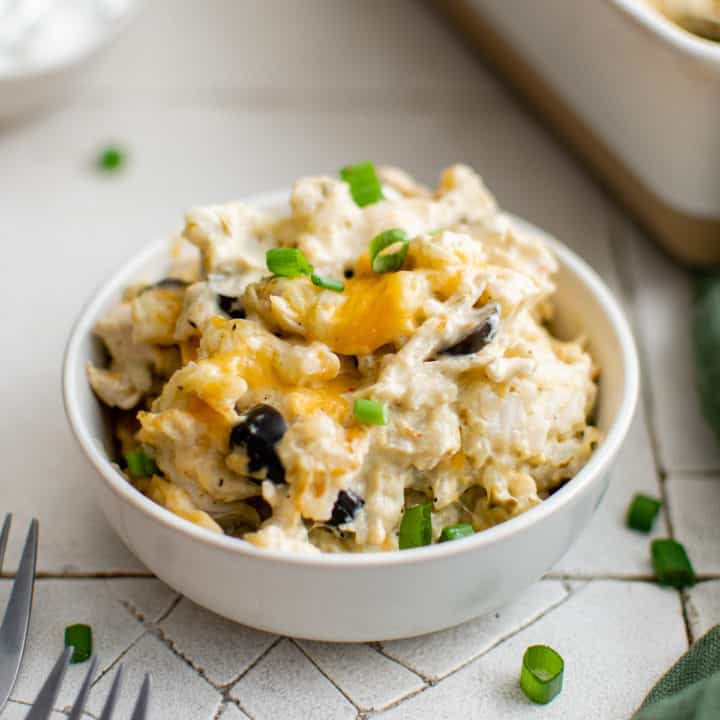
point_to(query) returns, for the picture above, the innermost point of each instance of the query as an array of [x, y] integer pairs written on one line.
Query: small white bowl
[[361, 597], [26, 89]]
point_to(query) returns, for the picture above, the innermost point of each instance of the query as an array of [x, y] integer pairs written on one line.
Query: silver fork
[[14, 628], [45, 701]]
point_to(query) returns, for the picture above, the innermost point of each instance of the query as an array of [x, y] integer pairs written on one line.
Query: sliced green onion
[[416, 527], [80, 638], [371, 412], [388, 262], [287, 262], [140, 464], [364, 184], [672, 565], [455, 532], [642, 512], [110, 159], [327, 283], [541, 677]]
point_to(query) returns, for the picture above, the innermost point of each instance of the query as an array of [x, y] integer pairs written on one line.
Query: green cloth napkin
[[690, 690]]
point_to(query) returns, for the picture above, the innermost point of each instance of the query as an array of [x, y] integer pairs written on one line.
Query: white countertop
[[223, 98]]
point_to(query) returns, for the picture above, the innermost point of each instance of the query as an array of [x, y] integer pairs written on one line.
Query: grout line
[[164, 615], [629, 231], [140, 616], [626, 230], [157, 632], [437, 680], [97, 575], [702, 577], [232, 701], [685, 604], [257, 660], [153, 629], [378, 648], [110, 667], [696, 473], [326, 676], [227, 700], [62, 711]]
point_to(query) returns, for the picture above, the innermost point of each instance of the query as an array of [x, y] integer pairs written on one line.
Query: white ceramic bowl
[[24, 90], [361, 596]]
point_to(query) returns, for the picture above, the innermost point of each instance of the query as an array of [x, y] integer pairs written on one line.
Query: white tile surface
[[608, 546], [221, 649], [287, 48], [371, 680], [57, 604], [662, 306], [597, 632], [177, 691], [285, 684], [438, 654], [148, 598], [16, 711], [703, 607], [695, 509], [231, 712]]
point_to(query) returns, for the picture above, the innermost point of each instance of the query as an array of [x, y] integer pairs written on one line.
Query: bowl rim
[[119, 485], [670, 33]]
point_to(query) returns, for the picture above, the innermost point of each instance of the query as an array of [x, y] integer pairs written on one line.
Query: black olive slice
[[231, 306], [345, 508], [481, 336], [262, 428]]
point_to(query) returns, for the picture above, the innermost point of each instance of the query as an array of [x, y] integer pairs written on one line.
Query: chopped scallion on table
[[672, 565], [642, 512], [455, 532], [392, 261], [111, 158], [370, 412], [416, 526], [80, 638], [541, 677], [287, 262], [365, 186], [327, 283], [140, 464]]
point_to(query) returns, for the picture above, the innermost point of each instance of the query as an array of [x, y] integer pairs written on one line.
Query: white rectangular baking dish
[[634, 94]]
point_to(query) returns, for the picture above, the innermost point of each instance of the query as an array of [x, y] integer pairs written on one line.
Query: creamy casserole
[[357, 375], [701, 17]]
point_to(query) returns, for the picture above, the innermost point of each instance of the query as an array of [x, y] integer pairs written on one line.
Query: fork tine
[[111, 701], [79, 706], [141, 706], [4, 536], [14, 628], [43, 705]]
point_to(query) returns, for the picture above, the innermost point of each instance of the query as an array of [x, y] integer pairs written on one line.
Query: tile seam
[[326, 676], [432, 682]]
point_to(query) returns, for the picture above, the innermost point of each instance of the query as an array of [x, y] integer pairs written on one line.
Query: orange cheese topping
[[375, 310], [215, 381], [328, 398]]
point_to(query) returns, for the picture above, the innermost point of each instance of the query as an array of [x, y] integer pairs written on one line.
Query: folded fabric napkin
[[690, 690]]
